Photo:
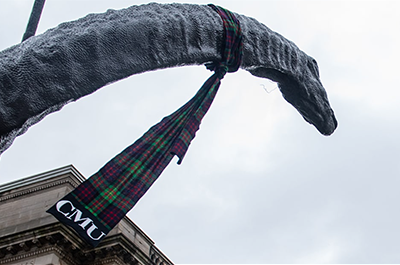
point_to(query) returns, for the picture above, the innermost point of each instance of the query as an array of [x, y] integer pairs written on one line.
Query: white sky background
[[258, 184]]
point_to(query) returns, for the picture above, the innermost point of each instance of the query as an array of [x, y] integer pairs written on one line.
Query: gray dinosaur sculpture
[[42, 74]]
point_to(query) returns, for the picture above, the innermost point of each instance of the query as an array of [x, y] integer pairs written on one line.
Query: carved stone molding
[[26, 192], [158, 258], [68, 251], [67, 175]]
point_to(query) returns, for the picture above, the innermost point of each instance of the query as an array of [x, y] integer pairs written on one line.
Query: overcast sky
[[258, 184]]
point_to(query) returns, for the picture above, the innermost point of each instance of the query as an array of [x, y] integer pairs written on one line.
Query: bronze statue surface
[[42, 74]]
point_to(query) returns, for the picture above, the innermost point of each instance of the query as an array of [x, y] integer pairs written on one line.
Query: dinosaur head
[[305, 93]]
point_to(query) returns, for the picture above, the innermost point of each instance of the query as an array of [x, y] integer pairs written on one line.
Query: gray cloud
[[259, 184]]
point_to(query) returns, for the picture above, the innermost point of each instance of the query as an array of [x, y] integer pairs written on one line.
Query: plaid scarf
[[99, 203]]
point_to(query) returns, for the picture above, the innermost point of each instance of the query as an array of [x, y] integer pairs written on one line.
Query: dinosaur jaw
[[324, 121], [308, 97], [311, 101]]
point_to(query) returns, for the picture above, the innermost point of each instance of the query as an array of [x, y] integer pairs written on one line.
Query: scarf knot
[[219, 68]]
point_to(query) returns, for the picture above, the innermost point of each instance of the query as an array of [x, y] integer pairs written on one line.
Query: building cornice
[[70, 169], [57, 239], [126, 244], [69, 175], [31, 254], [74, 179]]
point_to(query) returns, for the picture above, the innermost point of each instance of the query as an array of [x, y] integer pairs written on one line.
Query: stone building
[[29, 235]]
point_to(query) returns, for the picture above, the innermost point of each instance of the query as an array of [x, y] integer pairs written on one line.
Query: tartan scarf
[[100, 202]]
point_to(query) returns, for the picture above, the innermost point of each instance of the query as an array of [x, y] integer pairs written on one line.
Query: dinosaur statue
[[48, 71]]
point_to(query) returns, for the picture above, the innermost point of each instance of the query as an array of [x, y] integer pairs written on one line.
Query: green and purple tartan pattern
[[111, 192], [233, 47]]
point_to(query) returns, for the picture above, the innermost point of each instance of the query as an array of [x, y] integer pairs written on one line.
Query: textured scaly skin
[[42, 74]]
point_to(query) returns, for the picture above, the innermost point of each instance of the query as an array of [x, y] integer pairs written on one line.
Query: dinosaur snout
[[329, 125]]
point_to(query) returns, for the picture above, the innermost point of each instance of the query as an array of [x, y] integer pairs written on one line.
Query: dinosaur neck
[[76, 58], [268, 54]]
